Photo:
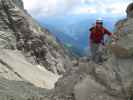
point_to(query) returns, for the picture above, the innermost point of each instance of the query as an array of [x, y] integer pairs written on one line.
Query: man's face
[[98, 25]]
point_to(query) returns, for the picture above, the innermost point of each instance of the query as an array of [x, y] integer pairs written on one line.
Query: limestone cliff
[[30, 57]]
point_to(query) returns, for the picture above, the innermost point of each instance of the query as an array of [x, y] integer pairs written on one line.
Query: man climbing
[[97, 33]]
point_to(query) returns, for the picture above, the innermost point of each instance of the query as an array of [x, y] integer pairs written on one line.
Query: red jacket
[[97, 34]]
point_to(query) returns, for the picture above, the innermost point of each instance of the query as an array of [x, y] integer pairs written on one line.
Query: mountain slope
[[19, 30], [29, 55], [74, 29]]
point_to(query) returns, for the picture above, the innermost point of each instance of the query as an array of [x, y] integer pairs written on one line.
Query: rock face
[[19, 90], [130, 10], [19, 31], [33, 39], [20, 69], [29, 54]]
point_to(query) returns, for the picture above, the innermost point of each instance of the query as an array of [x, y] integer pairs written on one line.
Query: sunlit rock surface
[[30, 57]]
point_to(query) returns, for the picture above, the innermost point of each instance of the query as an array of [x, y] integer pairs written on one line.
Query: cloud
[[83, 9], [42, 8], [95, 7], [115, 8], [45, 8]]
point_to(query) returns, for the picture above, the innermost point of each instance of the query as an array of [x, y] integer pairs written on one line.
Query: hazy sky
[[45, 8]]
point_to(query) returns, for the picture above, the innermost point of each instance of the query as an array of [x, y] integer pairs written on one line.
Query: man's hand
[[114, 37]]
